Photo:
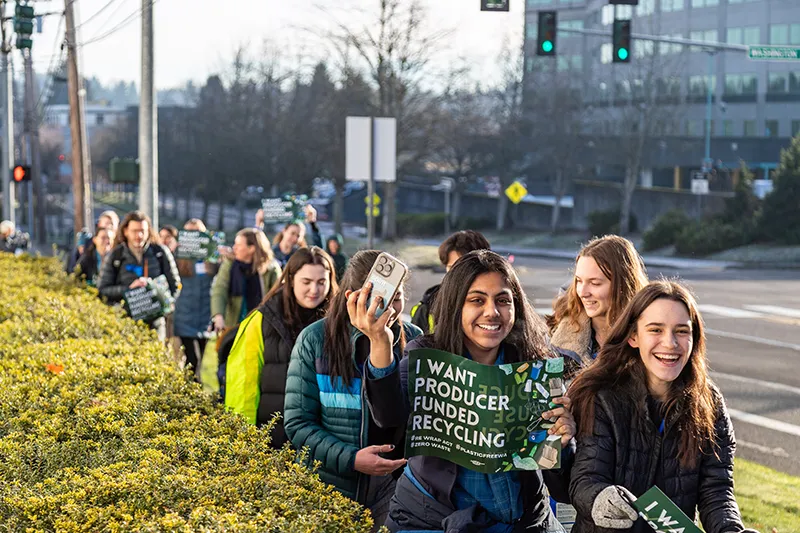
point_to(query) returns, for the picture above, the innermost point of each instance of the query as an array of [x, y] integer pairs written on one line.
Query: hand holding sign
[[565, 422]]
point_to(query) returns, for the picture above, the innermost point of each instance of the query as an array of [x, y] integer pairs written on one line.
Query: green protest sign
[[199, 245], [149, 302], [662, 514], [485, 418]]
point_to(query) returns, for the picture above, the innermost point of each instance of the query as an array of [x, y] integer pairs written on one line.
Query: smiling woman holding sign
[[481, 314], [650, 416]]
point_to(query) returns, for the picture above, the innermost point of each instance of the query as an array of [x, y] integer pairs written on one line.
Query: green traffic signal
[[547, 46], [622, 53]]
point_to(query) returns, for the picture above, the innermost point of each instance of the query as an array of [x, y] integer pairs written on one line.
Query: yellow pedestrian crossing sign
[[376, 200], [516, 192], [376, 211]]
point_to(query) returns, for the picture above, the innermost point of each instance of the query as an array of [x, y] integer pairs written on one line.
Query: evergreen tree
[[781, 220]]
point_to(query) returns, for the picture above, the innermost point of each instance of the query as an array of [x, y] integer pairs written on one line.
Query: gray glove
[[611, 511]]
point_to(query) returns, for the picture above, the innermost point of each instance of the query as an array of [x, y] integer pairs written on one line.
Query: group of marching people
[[641, 409], [308, 355]]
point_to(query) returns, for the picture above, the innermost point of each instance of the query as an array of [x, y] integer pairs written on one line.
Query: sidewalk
[[650, 260]]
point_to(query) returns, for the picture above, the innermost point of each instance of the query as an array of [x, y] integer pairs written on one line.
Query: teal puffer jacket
[[331, 421]]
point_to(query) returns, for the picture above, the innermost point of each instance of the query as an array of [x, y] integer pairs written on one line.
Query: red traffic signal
[[21, 173]]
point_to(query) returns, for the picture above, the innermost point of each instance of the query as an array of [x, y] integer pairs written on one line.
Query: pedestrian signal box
[[21, 173]]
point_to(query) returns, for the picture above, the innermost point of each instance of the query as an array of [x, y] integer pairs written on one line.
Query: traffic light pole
[[38, 230], [6, 87]]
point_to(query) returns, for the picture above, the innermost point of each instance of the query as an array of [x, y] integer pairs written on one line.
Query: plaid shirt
[[500, 494]]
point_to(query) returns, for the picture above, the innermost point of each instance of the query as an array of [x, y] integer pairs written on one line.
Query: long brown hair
[[284, 288], [338, 347], [620, 263], [528, 334], [186, 267], [136, 216], [619, 367], [263, 256]]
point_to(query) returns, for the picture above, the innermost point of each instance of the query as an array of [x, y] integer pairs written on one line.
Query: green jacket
[[230, 307], [331, 421]]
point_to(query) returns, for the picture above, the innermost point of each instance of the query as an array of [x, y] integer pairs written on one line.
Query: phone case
[[386, 276]]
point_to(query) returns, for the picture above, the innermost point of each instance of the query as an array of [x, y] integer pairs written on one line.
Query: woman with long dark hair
[[256, 368], [649, 415], [481, 313], [608, 272], [326, 408]]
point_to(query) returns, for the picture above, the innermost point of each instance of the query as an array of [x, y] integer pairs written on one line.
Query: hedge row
[[99, 431]]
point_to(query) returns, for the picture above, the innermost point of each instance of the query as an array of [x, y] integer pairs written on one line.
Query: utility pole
[[148, 122], [81, 182], [7, 84], [33, 152]]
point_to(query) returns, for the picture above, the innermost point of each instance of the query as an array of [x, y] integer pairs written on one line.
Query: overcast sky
[[196, 38]]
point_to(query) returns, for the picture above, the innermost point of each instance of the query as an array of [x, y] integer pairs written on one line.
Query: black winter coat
[[627, 449], [278, 344]]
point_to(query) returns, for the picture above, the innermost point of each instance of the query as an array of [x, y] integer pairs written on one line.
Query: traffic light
[[23, 25], [546, 37], [21, 173], [622, 41]]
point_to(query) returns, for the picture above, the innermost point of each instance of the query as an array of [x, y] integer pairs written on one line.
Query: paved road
[[753, 321]]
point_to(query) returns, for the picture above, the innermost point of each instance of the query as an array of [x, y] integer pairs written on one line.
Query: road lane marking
[[729, 312], [775, 452], [763, 421], [759, 382], [774, 310], [757, 340]]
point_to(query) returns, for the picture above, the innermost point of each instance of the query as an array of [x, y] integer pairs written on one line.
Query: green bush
[[607, 222], [666, 229], [100, 432], [711, 236]]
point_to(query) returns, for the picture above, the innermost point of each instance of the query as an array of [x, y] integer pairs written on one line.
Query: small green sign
[[773, 53], [199, 245], [485, 418], [662, 514]]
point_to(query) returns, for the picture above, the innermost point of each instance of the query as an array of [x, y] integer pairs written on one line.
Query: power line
[[132, 17], [58, 51], [106, 6]]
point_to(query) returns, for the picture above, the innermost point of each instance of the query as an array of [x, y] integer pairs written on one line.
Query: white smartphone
[[386, 276]]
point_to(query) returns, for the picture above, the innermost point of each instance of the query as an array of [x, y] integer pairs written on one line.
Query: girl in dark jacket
[[326, 408], [255, 372], [482, 313], [608, 272], [88, 266], [649, 415], [192, 309]]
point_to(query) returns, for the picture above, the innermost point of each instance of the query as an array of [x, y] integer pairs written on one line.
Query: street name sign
[[774, 53]]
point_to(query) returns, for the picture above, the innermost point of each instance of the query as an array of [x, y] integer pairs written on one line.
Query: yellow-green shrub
[[99, 431]]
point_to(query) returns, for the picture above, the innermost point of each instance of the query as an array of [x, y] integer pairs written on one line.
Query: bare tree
[[395, 49], [647, 104]]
